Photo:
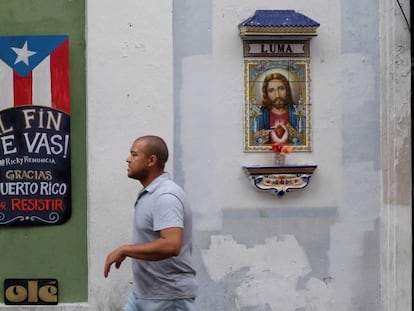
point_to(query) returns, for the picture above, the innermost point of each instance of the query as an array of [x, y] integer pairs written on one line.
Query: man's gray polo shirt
[[163, 204]]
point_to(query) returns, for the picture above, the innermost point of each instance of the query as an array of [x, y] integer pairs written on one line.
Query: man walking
[[161, 248]]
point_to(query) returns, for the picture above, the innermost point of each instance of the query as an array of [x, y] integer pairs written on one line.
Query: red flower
[[279, 148]]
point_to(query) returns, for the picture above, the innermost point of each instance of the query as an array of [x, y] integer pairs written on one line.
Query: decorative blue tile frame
[[276, 50]]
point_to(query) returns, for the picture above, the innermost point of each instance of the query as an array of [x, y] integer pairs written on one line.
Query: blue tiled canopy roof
[[278, 18]]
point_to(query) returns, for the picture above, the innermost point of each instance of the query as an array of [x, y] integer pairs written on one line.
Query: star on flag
[[23, 54]]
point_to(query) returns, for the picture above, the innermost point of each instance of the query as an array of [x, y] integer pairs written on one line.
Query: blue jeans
[[137, 304]]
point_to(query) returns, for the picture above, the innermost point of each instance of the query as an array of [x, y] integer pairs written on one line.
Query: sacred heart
[[280, 131]]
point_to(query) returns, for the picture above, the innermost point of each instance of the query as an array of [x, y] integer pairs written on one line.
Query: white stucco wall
[[218, 95], [129, 56], [317, 249], [213, 87]]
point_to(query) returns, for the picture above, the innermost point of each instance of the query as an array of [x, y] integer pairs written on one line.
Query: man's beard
[[279, 103], [139, 175]]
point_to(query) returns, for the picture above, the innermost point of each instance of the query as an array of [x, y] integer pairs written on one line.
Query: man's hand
[[168, 245], [114, 257]]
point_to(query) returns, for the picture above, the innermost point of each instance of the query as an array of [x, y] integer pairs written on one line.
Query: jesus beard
[[279, 103]]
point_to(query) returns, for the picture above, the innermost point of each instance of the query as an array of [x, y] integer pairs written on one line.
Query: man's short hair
[[155, 145]]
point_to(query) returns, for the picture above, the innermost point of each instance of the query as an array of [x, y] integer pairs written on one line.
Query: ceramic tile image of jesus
[[277, 105]]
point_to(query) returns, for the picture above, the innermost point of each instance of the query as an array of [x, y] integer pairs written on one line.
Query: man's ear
[[152, 160]]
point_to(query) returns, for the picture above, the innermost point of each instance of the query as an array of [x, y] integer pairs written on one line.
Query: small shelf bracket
[[279, 179]]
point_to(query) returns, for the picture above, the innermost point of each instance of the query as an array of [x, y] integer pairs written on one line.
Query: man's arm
[[168, 245]]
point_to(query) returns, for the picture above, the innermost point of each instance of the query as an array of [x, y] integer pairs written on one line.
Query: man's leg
[[136, 304], [184, 305], [130, 305]]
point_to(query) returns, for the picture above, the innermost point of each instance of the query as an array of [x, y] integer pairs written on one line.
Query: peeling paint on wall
[[270, 274]]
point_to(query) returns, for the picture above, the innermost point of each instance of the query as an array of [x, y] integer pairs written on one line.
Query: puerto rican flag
[[34, 70]]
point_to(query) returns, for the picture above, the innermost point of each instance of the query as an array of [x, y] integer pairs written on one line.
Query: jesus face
[[277, 92]]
